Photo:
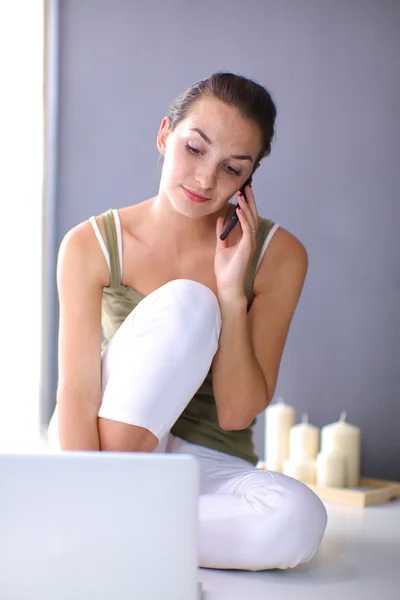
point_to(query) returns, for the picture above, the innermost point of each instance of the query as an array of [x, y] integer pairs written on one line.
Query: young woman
[[194, 327]]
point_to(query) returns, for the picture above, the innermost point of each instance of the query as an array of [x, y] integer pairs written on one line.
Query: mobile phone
[[234, 219]]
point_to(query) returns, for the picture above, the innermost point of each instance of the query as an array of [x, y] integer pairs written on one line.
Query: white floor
[[359, 558]]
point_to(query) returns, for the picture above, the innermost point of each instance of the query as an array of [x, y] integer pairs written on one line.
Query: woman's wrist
[[232, 302]]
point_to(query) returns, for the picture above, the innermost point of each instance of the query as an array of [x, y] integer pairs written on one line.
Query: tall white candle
[[279, 418], [345, 438], [304, 440]]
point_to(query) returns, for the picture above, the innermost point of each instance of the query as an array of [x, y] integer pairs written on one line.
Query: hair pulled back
[[249, 97]]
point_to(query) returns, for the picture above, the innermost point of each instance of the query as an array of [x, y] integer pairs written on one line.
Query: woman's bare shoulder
[[80, 244], [284, 246], [286, 256]]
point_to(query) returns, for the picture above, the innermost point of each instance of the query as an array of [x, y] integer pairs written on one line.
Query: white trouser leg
[[262, 524], [251, 519], [160, 356]]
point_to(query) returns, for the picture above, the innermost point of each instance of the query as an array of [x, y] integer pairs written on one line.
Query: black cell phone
[[234, 219]]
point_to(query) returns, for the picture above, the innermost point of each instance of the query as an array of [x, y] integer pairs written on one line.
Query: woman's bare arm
[[246, 365], [82, 273]]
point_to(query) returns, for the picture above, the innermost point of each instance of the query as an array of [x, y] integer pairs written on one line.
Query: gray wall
[[332, 178]]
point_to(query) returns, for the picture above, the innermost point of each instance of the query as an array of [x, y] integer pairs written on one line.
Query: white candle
[[331, 469], [303, 470], [304, 440], [279, 418], [345, 438]]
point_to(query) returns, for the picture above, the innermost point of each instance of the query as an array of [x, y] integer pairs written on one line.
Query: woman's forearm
[[77, 423], [239, 385]]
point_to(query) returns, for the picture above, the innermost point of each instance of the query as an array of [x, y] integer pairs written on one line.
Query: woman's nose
[[206, 178]]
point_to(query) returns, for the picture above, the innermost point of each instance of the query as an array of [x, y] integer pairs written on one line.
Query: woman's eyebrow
[[207, 139]]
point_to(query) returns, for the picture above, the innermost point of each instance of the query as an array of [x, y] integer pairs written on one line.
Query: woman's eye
[[197, 152], [192, 149], [232, 170]]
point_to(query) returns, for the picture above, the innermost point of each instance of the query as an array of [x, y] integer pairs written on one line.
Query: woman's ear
[[255, 169], [163, 135]]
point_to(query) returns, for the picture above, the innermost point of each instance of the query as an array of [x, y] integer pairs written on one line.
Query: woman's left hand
[[231, 262]]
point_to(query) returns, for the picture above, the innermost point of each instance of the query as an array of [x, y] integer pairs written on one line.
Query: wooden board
[[370, 492]]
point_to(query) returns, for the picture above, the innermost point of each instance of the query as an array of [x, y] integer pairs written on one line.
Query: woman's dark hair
[[250, 98]]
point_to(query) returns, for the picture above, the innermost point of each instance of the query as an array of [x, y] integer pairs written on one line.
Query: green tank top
[[198, 423]]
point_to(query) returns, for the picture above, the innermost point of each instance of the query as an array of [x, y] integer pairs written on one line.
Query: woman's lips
[[194, 197]]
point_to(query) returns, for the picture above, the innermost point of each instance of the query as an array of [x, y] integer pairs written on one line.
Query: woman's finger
[[247, 211], [251, 202], [247, 228]]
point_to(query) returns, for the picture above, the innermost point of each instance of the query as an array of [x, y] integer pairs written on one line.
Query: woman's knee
[[194, 302], [184, 311], [182, 314], [308, 518], [289, 530]]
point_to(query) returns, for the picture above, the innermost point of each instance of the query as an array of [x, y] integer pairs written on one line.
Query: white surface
[[98, 525], [359, 558], [22, 208]]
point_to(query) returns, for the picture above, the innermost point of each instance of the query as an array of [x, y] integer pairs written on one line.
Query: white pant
[[151, 368]]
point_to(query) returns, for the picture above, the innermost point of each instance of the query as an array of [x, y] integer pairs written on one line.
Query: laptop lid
[[98, 525]]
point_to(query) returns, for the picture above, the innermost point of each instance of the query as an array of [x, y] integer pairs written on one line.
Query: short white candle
[[279, 418], [331, 469], [304, 440], [303, 470], [345, 438]]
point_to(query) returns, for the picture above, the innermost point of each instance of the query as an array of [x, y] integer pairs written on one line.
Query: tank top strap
[[263, 230], [112, 241]]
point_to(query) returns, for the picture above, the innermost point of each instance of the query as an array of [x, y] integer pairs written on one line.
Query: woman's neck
[[180, 232]]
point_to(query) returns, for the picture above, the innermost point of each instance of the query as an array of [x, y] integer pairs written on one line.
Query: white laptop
[[98, 526]]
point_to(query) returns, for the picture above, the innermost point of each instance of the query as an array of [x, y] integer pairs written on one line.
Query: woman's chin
[[190, 209]]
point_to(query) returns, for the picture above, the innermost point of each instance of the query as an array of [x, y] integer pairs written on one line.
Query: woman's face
[[211, 153]]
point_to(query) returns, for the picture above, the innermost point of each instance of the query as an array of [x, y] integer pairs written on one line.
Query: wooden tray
[[368, 493]]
